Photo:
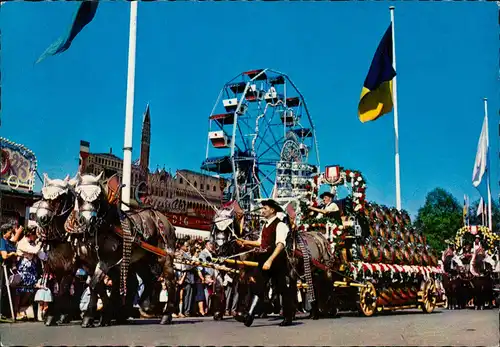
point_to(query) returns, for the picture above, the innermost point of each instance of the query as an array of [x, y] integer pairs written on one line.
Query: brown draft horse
[[482, 285], [98, 216], [454, 282], [63, 257], [51, 213]]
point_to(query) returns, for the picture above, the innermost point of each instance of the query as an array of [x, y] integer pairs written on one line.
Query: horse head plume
[[56, 202], [53, 188], [88, 187], [46, 179], [223, 218]]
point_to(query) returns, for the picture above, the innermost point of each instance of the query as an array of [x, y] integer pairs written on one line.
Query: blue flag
[[84, 16], [376, 95]]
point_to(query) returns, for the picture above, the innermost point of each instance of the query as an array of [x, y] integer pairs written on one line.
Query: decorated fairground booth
[[17, 181]]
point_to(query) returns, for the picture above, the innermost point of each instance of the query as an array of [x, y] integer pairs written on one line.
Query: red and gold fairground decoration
[[17, 181]]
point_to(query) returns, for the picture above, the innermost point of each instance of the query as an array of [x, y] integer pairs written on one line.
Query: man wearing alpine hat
[[477, 243], [272, 263], [329, 207]]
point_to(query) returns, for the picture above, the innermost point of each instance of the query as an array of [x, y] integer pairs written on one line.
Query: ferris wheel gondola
[[260, 130]]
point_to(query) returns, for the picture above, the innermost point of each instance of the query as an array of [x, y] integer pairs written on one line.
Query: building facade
[[187, 198]]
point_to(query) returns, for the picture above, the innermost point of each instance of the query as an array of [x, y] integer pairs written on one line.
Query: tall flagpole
[[129, 112], [490, 217], [484, 211], [395, 106]]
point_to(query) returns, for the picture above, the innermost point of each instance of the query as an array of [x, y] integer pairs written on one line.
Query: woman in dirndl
[[28, 267]]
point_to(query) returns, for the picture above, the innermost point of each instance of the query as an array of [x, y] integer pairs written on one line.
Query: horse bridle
[[66, 207]]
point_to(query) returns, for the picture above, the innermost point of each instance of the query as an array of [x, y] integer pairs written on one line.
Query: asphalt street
[[403, 328]]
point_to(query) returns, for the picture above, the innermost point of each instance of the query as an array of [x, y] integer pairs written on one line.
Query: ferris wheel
[[260, 130]]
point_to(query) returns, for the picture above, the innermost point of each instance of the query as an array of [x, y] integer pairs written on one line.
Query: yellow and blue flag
[[83, 16], [376, 96]]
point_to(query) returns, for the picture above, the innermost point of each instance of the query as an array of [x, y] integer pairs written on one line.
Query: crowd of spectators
[[194, 284], [22, 260]]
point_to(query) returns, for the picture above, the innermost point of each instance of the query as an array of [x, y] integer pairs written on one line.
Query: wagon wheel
[[367, 302], [429, 297], [445, 304]]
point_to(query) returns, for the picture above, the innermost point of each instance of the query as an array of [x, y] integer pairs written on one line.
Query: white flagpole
[[483, 213], [129, 112], [395, 106], [490, 217]]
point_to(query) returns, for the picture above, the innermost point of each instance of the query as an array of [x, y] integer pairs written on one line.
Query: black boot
[[249, 317], [87, 322], [314, 313], [166, 319], [286, 322]]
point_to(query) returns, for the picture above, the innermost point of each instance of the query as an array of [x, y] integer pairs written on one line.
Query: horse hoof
[[50, 321], [64, 319], [104, 322], [121, 320], [218, 316], [144, 314], [166, 319], [87, 322], [314, 315], [334, 313]]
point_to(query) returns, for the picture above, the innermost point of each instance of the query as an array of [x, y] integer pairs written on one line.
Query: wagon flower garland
[[358, 185], [312, 185], [315, 222], [485, 231]]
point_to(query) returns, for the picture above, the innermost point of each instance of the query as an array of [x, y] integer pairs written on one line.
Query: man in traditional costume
[[477, 244], [328, 207], [272, 264]]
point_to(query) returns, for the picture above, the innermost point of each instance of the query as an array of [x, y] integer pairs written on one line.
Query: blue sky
[[447, 61]]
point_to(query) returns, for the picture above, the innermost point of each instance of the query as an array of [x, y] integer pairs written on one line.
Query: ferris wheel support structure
[[235, 177]]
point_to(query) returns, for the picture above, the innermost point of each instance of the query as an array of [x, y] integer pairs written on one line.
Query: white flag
[[481, 163], [480, 207]]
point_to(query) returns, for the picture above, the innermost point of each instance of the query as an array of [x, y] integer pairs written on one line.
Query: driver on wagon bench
[[328, 206]]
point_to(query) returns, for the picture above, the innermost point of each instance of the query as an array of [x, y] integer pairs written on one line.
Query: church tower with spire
[[145, 142]]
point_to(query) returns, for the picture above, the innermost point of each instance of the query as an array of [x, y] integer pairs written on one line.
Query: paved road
[[464, 328]]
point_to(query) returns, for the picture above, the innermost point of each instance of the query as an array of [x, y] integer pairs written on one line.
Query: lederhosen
[[277, 272]]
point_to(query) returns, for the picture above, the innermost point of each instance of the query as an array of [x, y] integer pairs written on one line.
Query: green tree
[[439, 218]]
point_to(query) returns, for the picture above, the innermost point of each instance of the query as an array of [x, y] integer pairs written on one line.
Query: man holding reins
[[272, 264]]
